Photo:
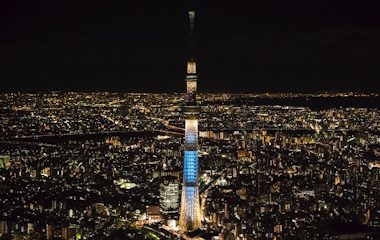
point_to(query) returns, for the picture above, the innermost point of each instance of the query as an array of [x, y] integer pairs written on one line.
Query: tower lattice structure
[[190, 217]]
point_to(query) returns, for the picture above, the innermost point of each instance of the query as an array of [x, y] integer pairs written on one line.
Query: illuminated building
[[49, 231], [3, 228], [190, 216], [153, 214], [5, 161], [169, 195]]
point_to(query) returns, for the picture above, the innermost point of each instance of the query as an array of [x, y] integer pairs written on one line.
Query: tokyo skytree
[[190, 217]]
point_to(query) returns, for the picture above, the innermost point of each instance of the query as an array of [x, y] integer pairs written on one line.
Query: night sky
[[142, 46]]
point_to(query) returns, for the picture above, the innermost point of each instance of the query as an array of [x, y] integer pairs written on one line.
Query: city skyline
[[287, 156], [107, 165]]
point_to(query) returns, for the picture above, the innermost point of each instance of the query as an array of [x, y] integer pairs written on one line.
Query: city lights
[[166, 162]]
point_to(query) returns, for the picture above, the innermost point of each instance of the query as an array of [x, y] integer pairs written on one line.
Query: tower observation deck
[[190, 216]]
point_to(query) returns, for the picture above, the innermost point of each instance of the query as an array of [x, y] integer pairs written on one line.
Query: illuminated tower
[[190, 218]]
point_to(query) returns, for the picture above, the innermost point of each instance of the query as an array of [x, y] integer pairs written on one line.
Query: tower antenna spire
[[191, 34]]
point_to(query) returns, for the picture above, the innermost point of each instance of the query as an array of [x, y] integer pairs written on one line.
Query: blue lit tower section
[[190, 218]]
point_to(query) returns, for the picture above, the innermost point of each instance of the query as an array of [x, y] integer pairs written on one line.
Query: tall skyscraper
[[190, 217], [169, 194]]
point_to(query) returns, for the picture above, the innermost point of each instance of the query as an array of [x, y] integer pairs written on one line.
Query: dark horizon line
[[171, 92]]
